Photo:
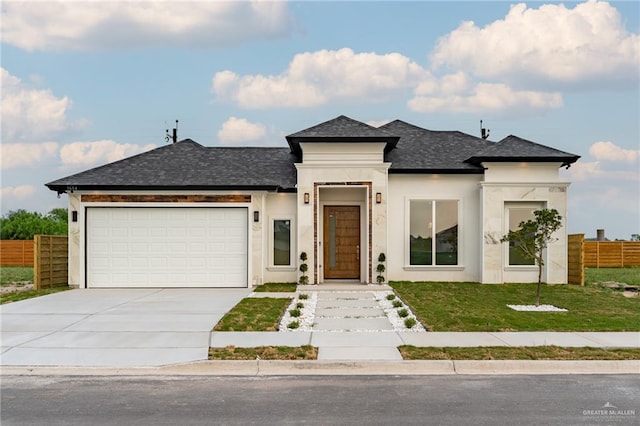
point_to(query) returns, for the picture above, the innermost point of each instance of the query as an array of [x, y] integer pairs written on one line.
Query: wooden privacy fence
[[611, 254], [16, 252], [576, 259], [50, 261]]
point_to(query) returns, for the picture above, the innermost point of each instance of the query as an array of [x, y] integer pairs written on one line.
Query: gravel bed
[[392, 313], [307, 314], [534, 308]]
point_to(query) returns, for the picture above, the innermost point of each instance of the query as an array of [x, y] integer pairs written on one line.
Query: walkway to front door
[[342, 242]]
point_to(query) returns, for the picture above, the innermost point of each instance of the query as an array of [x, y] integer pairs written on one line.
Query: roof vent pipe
[[174, 136], [484, 133]]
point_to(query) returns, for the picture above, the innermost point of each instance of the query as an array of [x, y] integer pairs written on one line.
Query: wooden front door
[[342, 242]]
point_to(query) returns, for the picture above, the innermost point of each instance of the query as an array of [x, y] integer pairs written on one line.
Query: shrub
[[303, 296], [403, 313], [397, 304], [293, 325], [391, 296], [299, 305], [410, 322], [294, 313]]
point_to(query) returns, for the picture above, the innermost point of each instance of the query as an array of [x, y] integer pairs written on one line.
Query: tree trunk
[[539, 283]]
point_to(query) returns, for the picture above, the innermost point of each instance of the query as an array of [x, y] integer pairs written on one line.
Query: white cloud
[[96, 152], [27, 155], [240, 130], [608, 151], [16, 192], [128, 24], [315, 78], [484, 97], [30, 114], [593, 171], [551, 44]]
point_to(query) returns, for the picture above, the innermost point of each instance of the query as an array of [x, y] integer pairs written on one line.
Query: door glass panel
[[446, 232], [332, 241], [516, 216], [420, 232]]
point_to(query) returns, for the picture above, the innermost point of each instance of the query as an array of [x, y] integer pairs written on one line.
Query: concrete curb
[[343, 368]]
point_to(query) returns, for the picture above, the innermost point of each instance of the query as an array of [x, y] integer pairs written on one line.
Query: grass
[[276, 288], [264, 352], [254, 314], [482, 307], [14, 274], [630, 275], [517, 353], [22, 295]]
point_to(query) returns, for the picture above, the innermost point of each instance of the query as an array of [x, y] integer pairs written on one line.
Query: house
[[436, 203]]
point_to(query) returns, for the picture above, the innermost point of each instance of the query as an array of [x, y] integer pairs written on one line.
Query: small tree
[[533, 236]]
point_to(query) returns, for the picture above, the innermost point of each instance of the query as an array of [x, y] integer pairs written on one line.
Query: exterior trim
[[158, 198]]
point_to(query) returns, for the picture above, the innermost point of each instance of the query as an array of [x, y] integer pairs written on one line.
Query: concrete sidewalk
[[370, 346]]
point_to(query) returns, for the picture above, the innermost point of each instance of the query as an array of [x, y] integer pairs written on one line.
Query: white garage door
[[166, 247]]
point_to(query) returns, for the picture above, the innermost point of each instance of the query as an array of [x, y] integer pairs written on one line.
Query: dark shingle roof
[[187, 164], [420, 150], [513, 148], [341, 129]]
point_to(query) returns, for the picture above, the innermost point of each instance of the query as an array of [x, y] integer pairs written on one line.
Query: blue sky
[[85, 83]]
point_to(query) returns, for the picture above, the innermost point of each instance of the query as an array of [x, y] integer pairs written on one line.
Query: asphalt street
[[370, 400]]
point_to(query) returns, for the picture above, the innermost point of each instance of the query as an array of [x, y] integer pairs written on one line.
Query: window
[[433, 228], [516, 214], [281, 242]]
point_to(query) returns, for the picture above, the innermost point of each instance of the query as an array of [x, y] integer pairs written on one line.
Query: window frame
[[271, 244], [407, 235]]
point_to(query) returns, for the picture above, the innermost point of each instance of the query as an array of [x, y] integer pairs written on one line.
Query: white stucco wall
[[337, 165], [464, 189], [280, 206], [75, 261], [516, 183]]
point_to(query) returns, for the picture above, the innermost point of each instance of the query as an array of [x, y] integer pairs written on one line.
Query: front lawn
[[264, 352], [522, 353], [254, 314], [15, 274], [275, 288], [483, 307], [630, 275], [22, 295]]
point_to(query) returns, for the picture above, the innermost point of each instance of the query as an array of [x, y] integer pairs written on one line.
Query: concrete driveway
[[114, 327]]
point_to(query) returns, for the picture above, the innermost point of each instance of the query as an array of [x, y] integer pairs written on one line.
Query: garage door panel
[[167, 247]]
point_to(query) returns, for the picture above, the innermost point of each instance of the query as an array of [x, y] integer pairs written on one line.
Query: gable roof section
[[189, 165], [341, 129], [427, 151], [515, 149]]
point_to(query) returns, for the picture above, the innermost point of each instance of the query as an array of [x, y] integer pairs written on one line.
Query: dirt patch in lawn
[[264, 352]]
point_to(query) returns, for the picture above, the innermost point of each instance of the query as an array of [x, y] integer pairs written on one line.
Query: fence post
[[50, 261], [36, 262]]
